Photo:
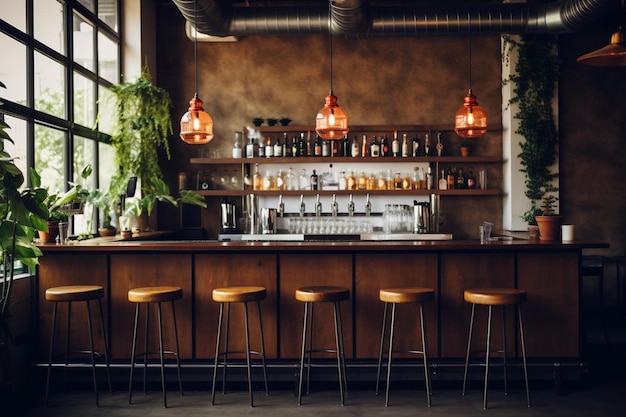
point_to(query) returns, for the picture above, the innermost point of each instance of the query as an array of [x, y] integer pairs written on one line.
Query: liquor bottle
[[361, 183], [416, 145], [397, 181], [382, 181], [295, 149], [304, 183], [426, 145], [406, 181], [318, 206], [250, 148], [325, 148], [389, 180], [314, 181], [354, 151], [281, 180], [281, 206], [302, 206], [345, 147], [384, 146], [451, 179], [416, 179], [260, 148], [471, 180], [422, 179], [291, 180], [257, 180], [460, 179], [269, 148], [365, 150], [318, 146], [334, 206], [350, 206], [405, 146], [286, 148], [302, 146], [309, 145], [443, 181], [343, 181], [429, 179], [395, 145], [374, 148], [237, 151], [278, 149], [351, 181], [371, 182]]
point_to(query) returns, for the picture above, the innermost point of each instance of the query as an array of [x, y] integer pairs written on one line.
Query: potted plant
[[257, 121], [549, 222], [465, 147], [22, 212], [535, 78], [284, 121], [529, 218], [272, 121]]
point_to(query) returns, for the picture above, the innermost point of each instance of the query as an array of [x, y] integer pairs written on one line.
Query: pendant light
[[612, 55], [196, 126], [331, 122], [470, 120]]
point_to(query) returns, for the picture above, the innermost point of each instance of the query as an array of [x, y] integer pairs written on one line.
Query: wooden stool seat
[[406, 295], [241, 294], [322, 293], [494, 296], [155, 294], [74, 293]]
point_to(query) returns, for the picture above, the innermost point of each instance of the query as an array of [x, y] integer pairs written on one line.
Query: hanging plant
[[535, 77], [143, 125]]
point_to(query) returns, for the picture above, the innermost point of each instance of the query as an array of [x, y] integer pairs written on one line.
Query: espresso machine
[[228, 216]]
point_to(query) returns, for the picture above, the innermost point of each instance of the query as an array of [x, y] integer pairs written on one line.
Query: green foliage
[[535, 78], [22, 211], [142, 126], [157, 190]]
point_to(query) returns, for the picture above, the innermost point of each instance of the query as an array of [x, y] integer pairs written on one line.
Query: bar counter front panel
[[548, 271]]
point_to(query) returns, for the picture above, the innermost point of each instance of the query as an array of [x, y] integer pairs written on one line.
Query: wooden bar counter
[[548, 271]]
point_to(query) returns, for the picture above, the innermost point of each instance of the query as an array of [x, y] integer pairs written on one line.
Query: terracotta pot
[[533, 231], [52, 233], [465, 151], [108, 231], [549, 227]]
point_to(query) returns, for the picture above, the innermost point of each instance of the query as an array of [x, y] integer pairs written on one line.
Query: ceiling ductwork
[[359, 19]]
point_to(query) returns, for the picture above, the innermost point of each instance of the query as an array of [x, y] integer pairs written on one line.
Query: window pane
[[13, 76], [106, 109], [84, 154], [90, 4], [108, 66], [48, 24], [107, 167], [49, 157], [49, 86], [15, 16], [107, 12], [83, 43], [17, 150], [84, 101]]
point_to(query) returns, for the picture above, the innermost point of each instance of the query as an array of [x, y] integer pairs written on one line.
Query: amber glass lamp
[[331, 122], [612, 55], [470, 120], [196, 126]]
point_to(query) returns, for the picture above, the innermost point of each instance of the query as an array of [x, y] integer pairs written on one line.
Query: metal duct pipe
[[352, 18]]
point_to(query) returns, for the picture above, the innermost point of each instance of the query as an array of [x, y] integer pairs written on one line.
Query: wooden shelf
[[235, 193], [354, 129], [344, 159]]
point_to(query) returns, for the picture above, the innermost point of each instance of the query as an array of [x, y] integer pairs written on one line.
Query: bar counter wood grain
[[548, 271]]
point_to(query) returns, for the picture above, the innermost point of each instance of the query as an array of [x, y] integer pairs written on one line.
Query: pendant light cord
[[330, 36], [469, 30], [195, 45]]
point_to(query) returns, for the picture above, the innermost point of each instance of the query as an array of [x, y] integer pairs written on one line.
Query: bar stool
[[147, 296], [70, 294], [395, 296], [496, 297], [244, 295], [322, 294]]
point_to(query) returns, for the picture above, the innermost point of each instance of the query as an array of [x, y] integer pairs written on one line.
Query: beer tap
[[318, 207], [351, 207], [368, 205], [281, 206], [335, 206], [302, 206]]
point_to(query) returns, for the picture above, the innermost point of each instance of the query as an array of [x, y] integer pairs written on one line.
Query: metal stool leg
[[67, 344], [304, 339], [145, 349], [390, 353], [217, 352], [160, 318], [225, 353], [487, 360], [339, 346], [267, 391], [245, 306], [342, 347], [521, 333], [93, 356], [180, 379], [425, 356], [469, 345], [106, 345], [54, 319], [132, 355], [382, 346], [506, 391]]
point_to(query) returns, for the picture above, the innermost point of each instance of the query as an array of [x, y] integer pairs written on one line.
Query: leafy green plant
[[22, 212], [142, 126], [548, 203], [535, 78], [159, 191]]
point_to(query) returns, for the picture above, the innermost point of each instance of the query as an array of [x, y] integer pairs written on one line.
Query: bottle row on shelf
[[304, 145]]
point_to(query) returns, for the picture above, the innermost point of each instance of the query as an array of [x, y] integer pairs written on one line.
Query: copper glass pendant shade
[[331, 122], [196, 125], [612, 55]]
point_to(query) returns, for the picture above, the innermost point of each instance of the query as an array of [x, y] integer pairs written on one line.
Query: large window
[[57, 69]]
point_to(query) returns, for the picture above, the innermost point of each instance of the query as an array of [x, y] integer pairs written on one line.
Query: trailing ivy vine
[[142, 125], [535, 77]]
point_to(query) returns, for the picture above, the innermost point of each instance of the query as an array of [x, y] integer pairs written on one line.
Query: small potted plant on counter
[[549, 222], [529, 218]]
